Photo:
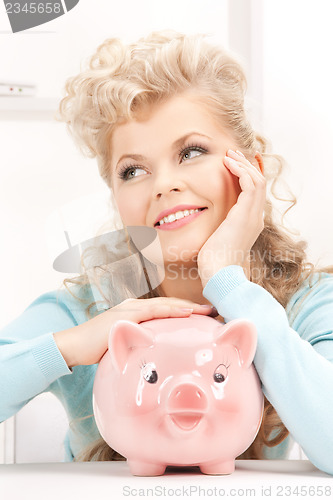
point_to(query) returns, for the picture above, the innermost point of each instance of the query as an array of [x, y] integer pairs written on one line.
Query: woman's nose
[[167, 179]]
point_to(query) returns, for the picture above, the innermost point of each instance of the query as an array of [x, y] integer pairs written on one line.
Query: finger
[[257, 178], [253, 197], [160, 310], [182, 303], [238, 156], [245, 179], [175, 301], [167, 300]]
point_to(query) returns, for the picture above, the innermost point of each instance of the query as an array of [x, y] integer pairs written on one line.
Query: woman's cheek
[[231, 180], [132, 208], [224, 188], [126, 208]]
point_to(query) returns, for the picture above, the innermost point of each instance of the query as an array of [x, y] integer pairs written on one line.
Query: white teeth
[[178, 215]]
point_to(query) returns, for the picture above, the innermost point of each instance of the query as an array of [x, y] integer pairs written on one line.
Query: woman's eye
[[190, 153], [185, 154], [124, 174]]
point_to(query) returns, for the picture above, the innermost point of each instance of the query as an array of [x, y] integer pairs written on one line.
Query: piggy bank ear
[[242, 334], [123, 338]]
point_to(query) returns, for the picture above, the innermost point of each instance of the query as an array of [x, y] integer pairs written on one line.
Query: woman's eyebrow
[[176, 144], [180, 142], [132, 156]]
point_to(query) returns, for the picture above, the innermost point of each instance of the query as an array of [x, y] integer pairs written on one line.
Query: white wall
[[298, 111]]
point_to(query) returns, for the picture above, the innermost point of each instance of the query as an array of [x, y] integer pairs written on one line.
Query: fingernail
[[187, 310], [231, 161], [206, 305], [240, 153]]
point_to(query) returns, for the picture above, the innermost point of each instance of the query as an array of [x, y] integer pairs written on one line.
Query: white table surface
[[112, 480]]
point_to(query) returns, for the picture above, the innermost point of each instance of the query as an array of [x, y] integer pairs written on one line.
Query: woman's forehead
[[166, 122]]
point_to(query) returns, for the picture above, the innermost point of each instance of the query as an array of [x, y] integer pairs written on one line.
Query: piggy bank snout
[[187, 397]]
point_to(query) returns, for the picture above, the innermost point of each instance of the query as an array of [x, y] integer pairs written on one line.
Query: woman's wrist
[[207, 273], [66, 344], [85, 344]]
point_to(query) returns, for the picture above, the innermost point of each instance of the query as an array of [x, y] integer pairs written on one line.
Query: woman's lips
[[168, 226]]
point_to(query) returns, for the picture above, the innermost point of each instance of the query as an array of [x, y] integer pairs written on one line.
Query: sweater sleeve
[[29, 357], [295, 365]]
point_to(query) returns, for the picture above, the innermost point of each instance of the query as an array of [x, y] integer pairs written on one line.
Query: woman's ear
[[259, 162]]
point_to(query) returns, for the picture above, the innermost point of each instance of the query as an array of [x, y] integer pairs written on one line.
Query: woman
[[165, 119]]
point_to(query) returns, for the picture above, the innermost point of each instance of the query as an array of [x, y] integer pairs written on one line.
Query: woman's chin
[[181, 257], [182, 250]]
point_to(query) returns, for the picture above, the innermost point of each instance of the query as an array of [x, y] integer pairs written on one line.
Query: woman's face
[[174, 156]]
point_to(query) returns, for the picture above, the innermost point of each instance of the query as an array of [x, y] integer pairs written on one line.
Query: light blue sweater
[[294, 359]]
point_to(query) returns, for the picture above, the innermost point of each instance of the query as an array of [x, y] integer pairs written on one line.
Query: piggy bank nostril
[[187, 397]]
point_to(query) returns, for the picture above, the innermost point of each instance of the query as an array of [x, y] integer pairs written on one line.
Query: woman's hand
[[85, 344], [233, 239]]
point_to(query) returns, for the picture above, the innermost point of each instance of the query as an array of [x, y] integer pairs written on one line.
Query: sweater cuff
[[223, 282], [49, 358]]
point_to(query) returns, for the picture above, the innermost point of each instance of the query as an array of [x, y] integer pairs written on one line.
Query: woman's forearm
[[296, 379], [27, 368]]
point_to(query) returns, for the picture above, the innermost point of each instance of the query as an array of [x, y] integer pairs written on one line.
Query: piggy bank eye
[[221, 373], [149, 373]]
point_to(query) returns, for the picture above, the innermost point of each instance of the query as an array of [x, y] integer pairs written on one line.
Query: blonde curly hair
[[123, 81]]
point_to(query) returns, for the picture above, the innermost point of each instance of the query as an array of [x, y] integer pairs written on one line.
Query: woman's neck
[[184, 283], [186, 287]]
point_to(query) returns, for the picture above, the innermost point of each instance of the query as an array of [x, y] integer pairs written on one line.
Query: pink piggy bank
[[179, 391]]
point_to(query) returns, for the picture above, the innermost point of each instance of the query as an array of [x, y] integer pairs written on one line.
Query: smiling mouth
[[180, 219]]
